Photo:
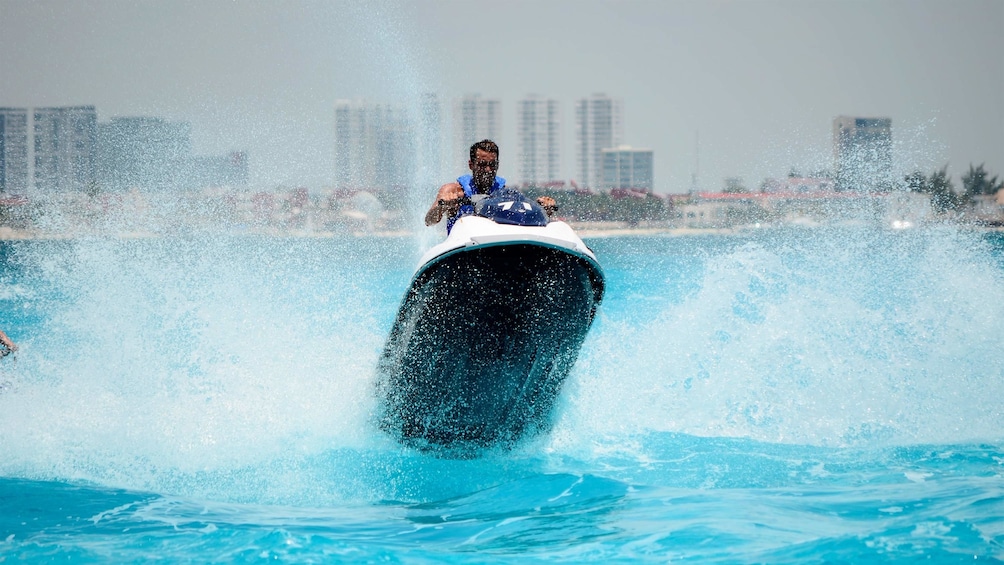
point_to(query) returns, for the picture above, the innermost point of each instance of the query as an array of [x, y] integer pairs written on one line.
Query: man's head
[[484, 163]]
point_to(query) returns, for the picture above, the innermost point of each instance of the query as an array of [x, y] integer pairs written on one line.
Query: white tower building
[[65, 148], [538, 130], [627, 167], [431, 152], [374, 146], [144, 152], [13, 150], [474, 118], [862, 153], [599, 125]]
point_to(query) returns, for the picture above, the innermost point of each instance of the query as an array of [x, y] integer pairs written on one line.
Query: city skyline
[[377, 147], [758, 82], [65, 149]]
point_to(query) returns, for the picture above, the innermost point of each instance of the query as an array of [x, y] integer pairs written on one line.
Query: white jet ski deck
[[488, 331]]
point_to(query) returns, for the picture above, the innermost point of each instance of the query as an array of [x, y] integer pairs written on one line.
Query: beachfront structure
[[627, 167], [374, 146], [144, 153], [538, 131], [791, 207], [599, 125], [65, 148], [13, 150], [474, 118], [862, 153], [797, 185]]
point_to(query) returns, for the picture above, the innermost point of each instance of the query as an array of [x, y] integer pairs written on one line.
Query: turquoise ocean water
[[781, 396]]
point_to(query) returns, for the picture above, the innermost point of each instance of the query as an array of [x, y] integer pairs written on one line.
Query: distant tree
[[943, 196], [916, 182], [978, 182], [734, 185], [603, 206], [769, 185], [938, 187]]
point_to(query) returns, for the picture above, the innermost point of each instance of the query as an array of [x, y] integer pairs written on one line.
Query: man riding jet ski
[[492, 322], [457, 199]]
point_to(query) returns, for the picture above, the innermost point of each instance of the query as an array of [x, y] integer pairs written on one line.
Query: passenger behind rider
[[484, 164]]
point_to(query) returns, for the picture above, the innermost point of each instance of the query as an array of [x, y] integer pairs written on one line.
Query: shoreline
[[584, 230]]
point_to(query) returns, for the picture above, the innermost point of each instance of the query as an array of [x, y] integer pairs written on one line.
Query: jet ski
[[488, 331]]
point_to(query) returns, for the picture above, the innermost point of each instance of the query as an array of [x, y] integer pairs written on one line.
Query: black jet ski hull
[[483, 342]]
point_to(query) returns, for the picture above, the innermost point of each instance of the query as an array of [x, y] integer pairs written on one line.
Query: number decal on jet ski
[[508, 204]]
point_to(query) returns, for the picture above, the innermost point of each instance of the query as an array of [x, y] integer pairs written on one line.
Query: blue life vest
[[468, 208]]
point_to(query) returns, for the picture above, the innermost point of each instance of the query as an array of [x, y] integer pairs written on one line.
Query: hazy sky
[[757, 81]]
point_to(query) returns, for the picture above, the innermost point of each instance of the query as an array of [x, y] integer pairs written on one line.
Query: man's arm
[[448, 194], [7, 344]]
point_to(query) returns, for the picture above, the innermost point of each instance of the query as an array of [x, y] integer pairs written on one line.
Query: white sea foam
[[830, 338], [237, 365]]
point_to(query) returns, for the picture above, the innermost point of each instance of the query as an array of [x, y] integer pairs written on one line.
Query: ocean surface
[[779, 396]]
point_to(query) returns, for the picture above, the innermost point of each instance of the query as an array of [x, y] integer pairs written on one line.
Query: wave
[[193, 364]]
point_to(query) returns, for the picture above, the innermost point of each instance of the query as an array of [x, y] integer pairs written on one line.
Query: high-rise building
[[13, 150], [430, 141], [145, 153], [599, 125], [374, 146], [862, 153], [351, 139], [229, 169], [474, 118], [65, 148], [626, 167], [538, 131]]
